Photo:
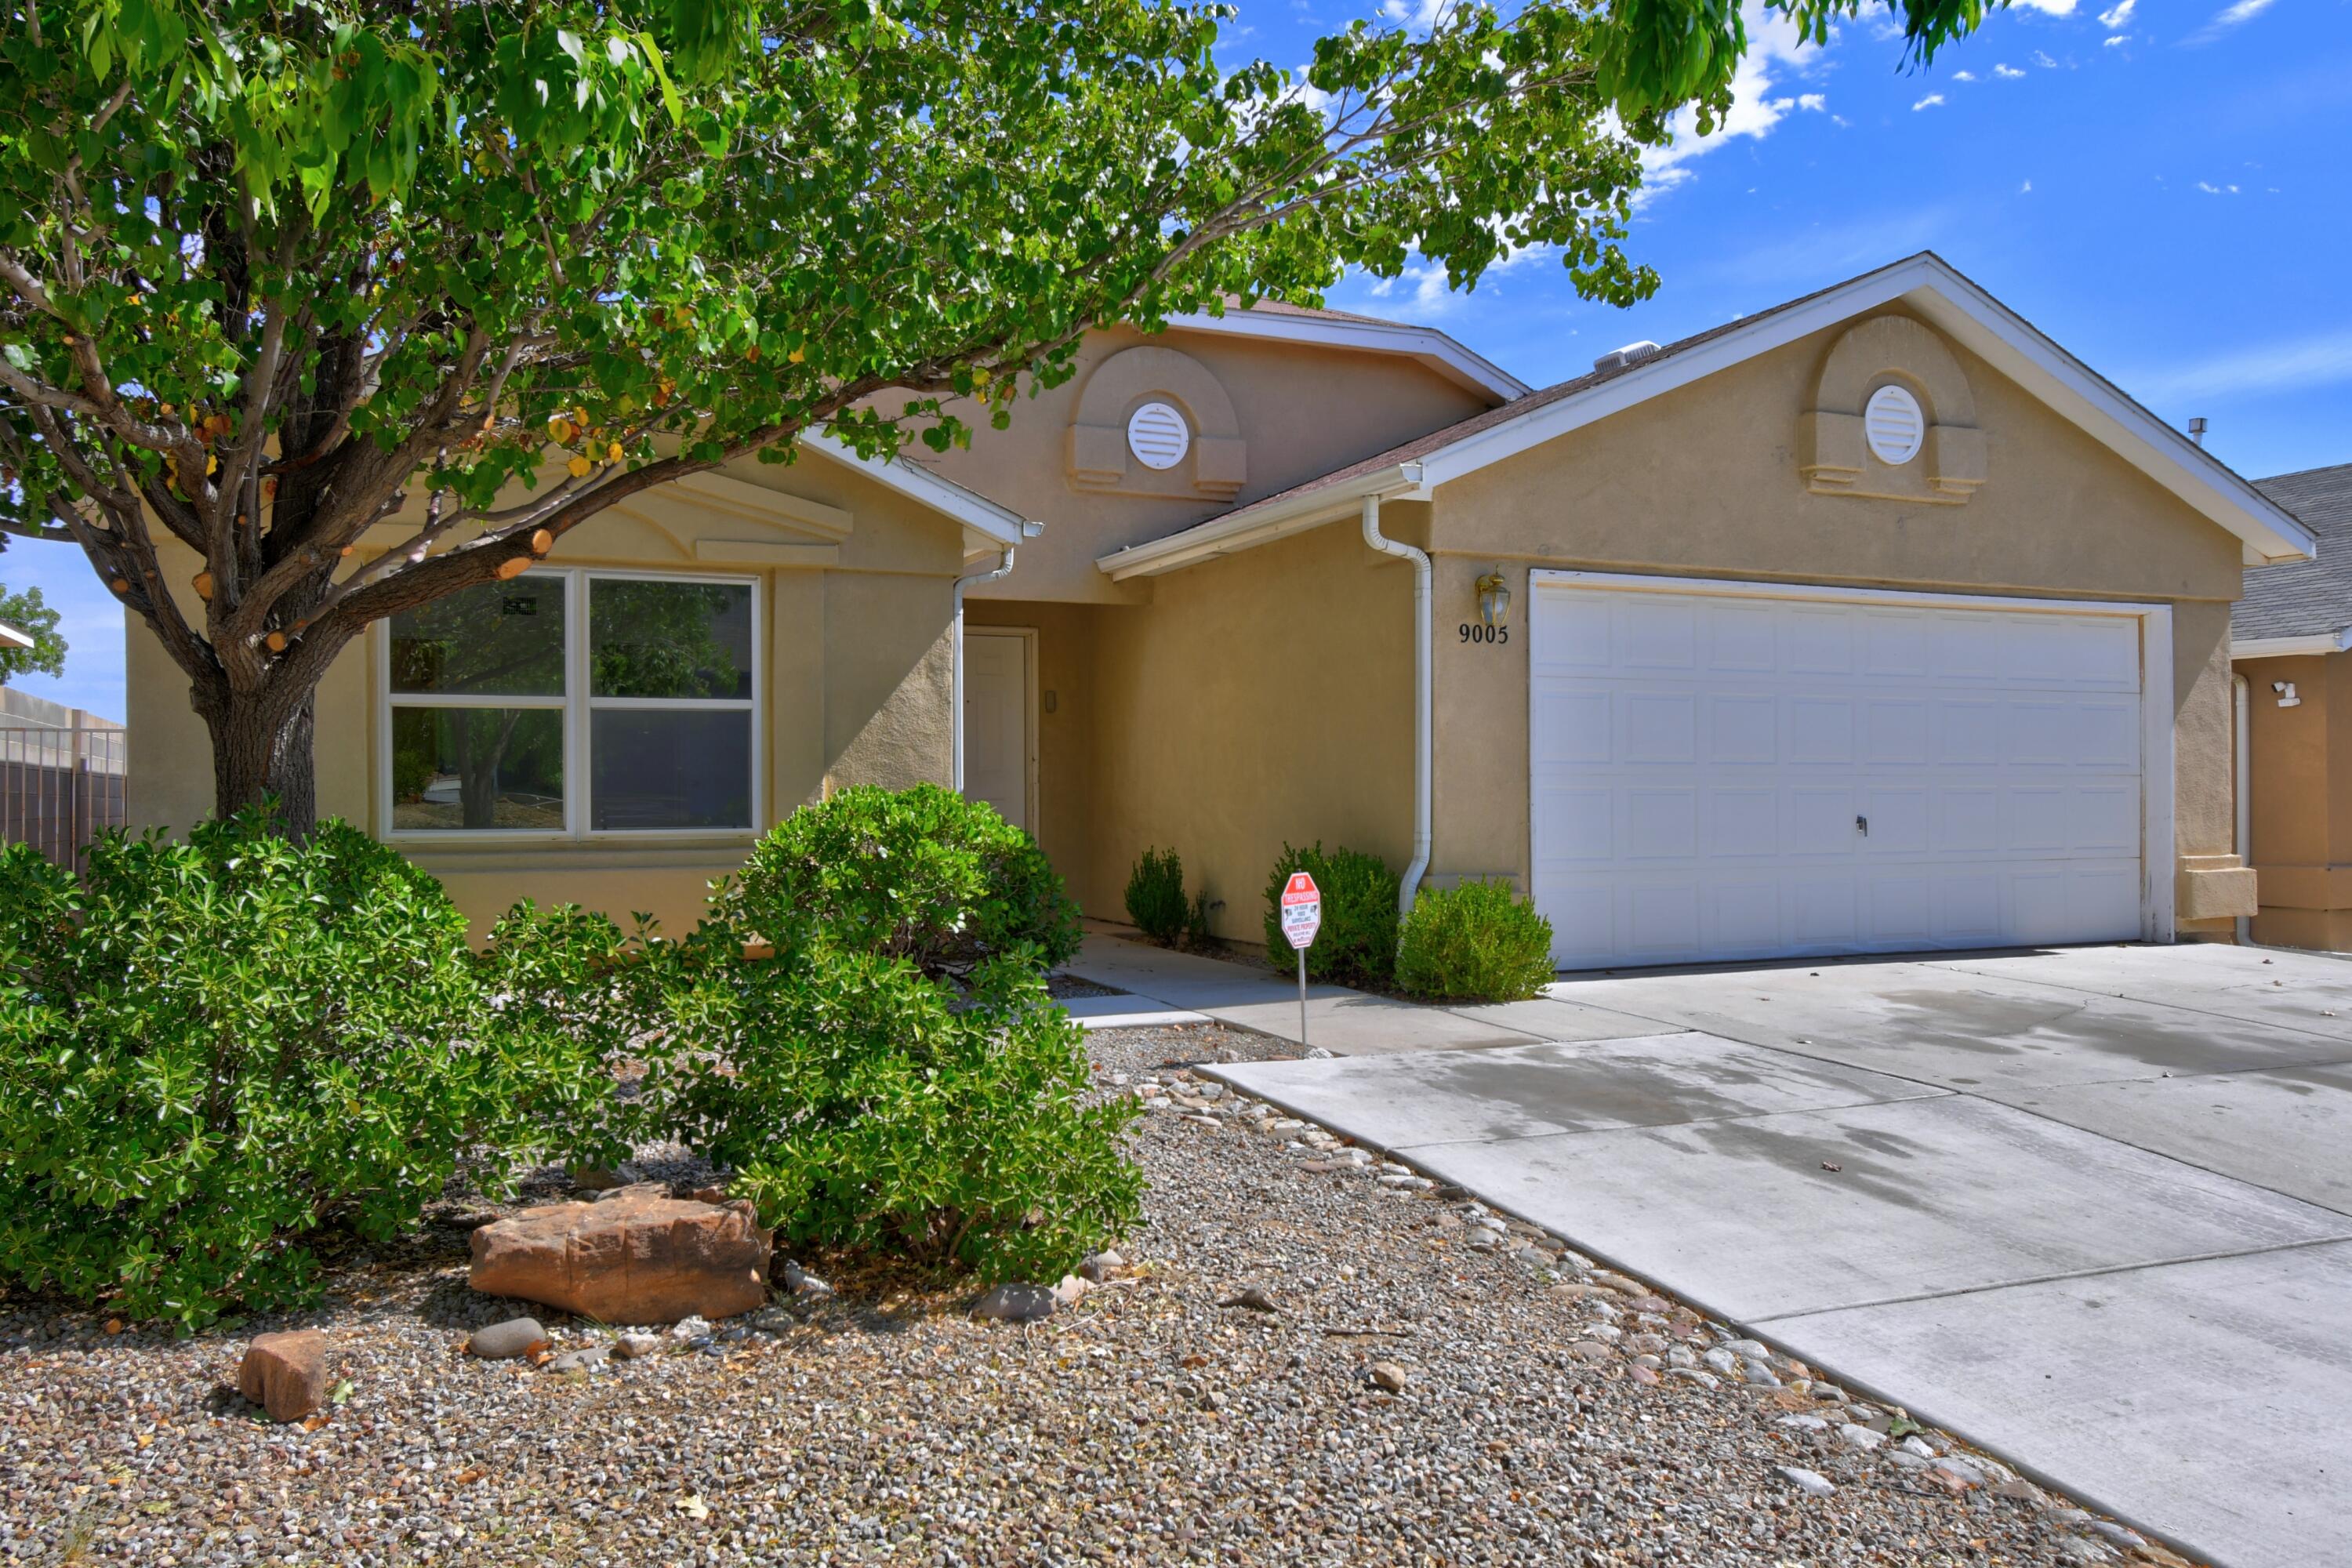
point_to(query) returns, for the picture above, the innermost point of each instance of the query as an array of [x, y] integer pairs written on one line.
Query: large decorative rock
[[285, 1375], [631, 1258]]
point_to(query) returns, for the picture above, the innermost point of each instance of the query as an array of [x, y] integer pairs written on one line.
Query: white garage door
[[1719, 776]]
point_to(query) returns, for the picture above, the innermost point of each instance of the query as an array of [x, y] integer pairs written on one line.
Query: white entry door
[[997, 744], [1721, 775]]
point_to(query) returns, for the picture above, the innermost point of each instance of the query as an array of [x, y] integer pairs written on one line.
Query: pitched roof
[[1926, 282], [2303, 598], [1269, 319]]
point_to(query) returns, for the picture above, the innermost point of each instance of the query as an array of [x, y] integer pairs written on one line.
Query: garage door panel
[[1816, 641], [1971, 733], [1895, 731], [1897, 814], [1820, 729], [1967, 820], [1701, 761], [1743, 823], [1743, 728], [1660, 823], [1658, 727], [1655, 634], [1571, 727]]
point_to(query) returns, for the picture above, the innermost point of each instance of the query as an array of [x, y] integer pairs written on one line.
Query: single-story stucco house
[[2291, 642], [1872, 622]]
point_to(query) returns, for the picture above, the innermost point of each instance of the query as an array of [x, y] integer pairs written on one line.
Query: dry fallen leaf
[[468, 1476], [693, 1507]]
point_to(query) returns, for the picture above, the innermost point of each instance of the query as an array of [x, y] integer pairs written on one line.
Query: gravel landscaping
[[1306, 1356]]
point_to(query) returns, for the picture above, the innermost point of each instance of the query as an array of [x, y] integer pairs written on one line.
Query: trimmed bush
[[1155, 896], [1478, 942], [1357, 945], [864, 1104], [210, 1051], [920, 874]]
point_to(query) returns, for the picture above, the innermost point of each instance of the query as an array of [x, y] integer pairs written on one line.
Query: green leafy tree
[[272, 275], [27, 614]]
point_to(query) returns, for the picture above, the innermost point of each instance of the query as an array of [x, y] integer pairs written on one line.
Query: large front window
[[566, 702]]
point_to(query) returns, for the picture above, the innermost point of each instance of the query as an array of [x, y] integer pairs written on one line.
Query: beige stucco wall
[[2300, 803], [1257, 699], [1301, 411], [1704, 482], [856, 664]]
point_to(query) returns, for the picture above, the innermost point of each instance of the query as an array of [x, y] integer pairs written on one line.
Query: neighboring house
[[1872, 622], [2291, 642]]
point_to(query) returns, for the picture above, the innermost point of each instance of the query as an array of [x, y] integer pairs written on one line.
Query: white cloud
[[1775, 48], [2007, 72], [1422, 14], [2053, 8], [2119, 38], [2297, 364], [1964, 75], [2235, 15], [2022, 189], [2116, 18], [2044, 61], [2214, 190], [1930, 101]]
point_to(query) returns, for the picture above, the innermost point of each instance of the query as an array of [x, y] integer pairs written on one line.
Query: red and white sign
[[1302, 910]]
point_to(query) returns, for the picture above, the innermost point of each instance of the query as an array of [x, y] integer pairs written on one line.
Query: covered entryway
[[1736, 769]]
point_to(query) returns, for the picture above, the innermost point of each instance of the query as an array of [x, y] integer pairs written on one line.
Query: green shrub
[[920, 874], [211, 1050], [864, 1104], [1357, 945], [1478, 942], [1155, 896], [1197, 934]]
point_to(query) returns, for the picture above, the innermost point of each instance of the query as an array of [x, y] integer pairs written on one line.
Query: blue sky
[[2165, 186]]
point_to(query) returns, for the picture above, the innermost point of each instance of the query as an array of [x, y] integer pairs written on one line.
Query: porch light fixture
[[1494, 599]]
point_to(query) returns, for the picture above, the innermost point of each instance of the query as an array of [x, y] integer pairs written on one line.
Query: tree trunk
[[259, 755]]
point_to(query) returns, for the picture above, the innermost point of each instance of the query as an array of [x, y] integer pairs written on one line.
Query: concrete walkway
[[2091, 1209], [1162, 986]]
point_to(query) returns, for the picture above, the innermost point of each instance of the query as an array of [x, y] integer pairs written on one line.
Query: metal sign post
[[1302, 917]]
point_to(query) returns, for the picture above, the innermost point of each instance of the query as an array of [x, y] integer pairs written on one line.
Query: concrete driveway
[[2091, 1208]]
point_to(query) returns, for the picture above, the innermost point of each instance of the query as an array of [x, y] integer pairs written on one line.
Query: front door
[[997, 746]]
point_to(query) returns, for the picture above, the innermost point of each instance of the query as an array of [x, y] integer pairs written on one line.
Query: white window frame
[[577, 703]]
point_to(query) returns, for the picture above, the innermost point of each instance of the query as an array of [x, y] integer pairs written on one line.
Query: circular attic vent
[[1158, 436], [1893, 425]]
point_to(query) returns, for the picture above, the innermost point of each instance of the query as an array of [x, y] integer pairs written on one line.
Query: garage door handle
[[1861, 826]]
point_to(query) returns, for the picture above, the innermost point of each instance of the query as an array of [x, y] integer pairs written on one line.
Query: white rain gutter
[[1423, 651], [1004, 569], [2316, 644]]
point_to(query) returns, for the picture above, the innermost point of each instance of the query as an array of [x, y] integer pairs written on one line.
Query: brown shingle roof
[[2303, 598]]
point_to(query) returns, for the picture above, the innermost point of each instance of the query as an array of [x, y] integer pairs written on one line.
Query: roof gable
[[1926, 283]]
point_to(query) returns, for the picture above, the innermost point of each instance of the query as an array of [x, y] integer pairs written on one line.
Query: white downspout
[[2242, 690], [1423, 642], [1003, 566]]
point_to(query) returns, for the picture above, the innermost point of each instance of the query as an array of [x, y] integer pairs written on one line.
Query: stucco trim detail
[[1098, 454], [1835, 454]]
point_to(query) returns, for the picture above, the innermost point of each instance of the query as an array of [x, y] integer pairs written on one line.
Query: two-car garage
[[1725, 771]]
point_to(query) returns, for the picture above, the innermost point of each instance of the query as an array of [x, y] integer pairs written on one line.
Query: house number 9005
[[1470, 633]]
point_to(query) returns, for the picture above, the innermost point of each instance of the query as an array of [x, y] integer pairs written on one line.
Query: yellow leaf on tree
[[797, 356], [613, 452], [559, 430], [580, 467]]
